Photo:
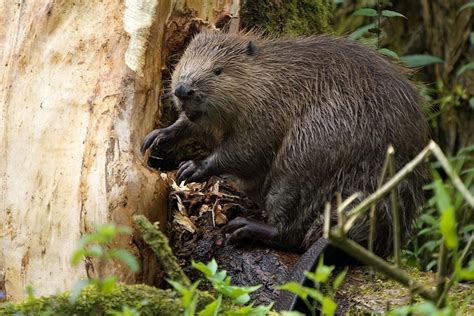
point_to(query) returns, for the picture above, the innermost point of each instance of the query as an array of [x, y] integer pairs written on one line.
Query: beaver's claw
[[192, 171], [155, 138]]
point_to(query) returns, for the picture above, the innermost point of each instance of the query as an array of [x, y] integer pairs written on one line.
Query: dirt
[[198, 212]]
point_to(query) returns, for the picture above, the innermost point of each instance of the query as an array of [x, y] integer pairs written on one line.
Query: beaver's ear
[[252, 49]]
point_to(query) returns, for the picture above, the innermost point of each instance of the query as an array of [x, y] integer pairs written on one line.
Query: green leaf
[[87, 239], [361, 31], [104, 234], [126, 257], [365, 12], [219, 277], [465, 67], [448, 228], [238, 293], [242, 299], [77, 256], [77, 289], [226, 280], [315, 294], [323, 272], [468, 5], [393, 14], [249, 310], [188, 298], [190, 308], [468, 228], [242, 311], [203, 268], [443, 200], [212, 309], [339, 279], [430, 245], [94, 251], [389, 53], [294, 288], [108, 284], [466, 274], [426, 308], [261, 310], [292, 313], [328, 306], [426, 231], [445, 207], [212, 265], [420, 60], [177, 286]]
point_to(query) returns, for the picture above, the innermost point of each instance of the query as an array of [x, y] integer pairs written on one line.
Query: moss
[[146, 299], [153, 301], [90, 302], [160, 246], [292, 17], [362, 294]]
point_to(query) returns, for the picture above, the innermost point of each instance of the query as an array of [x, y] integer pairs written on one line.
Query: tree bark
[[72, 119]]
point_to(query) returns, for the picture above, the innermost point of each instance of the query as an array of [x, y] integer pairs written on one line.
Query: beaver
[[296, 120]]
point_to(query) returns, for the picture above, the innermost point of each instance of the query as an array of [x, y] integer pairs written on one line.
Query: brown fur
[[296, 120]]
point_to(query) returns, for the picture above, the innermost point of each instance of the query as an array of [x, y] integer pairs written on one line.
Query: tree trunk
[[73, 115]]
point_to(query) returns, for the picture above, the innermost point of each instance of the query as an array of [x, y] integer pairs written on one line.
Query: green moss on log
[[153, 301], [292, 17], [160, 246]]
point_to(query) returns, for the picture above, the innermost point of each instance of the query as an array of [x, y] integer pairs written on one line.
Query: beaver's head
[[210, 79]]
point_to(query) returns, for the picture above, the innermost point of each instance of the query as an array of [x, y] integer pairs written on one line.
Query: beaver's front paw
[[192, 171], [157, 137]]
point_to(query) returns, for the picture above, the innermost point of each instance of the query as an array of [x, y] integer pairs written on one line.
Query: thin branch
[[380, 193], [341, 215], [457, 182], [441, 276], [395, 212], [327, 220], [373, 213]]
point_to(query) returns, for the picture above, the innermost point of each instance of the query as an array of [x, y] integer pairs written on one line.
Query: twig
[[438, 153], [395, 180], [394, 208], [327, 220], [442, 274], [341, 215], [465, 251], [373, 214]]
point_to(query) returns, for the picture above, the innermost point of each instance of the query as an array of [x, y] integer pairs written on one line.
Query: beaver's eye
[[217, 71]]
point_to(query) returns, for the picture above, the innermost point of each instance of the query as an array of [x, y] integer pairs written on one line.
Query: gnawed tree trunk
[[73, 116]]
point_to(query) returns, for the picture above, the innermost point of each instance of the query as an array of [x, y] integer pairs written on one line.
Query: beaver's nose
[[183, 91]]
